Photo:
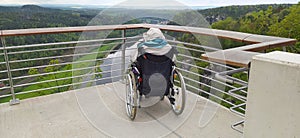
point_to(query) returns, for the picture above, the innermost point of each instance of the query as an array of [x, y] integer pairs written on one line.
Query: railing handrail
[[259, 42], [238, 36]]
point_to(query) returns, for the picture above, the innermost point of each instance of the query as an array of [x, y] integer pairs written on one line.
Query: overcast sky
[[185, 2]]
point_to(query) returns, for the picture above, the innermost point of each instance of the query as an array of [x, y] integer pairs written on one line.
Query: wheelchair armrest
[[135, 69]]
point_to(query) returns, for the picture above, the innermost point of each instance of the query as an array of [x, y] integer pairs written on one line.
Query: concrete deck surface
[[99, 111]]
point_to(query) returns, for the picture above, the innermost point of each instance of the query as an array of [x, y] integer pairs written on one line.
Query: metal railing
[[214, 80], [14, 81]]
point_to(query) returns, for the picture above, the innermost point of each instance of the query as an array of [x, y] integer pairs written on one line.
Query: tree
[[52, 68], [34, 71], [289, 26], [228, 24], [258, 22]]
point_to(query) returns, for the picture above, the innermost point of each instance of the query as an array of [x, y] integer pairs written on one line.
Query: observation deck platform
[[99, 111], [66, 115]]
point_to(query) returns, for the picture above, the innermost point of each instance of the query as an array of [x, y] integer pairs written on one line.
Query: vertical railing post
[[123, 53], [14, 100], [284, 49]]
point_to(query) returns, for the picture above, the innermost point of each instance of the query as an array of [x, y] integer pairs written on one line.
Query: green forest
[[278, 21], [281, 20]]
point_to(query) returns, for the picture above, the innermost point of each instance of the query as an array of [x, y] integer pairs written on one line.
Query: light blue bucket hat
[[153, 38]]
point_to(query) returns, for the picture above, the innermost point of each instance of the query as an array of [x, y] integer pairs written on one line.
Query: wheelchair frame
[[178, 93]]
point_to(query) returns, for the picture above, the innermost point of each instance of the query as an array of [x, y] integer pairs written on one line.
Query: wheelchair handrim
[[130, 97], [179, 103]]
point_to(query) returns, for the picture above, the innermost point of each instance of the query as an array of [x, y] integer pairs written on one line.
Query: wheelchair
[[152, 75]]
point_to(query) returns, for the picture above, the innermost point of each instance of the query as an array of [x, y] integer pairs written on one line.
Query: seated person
[[154, 61]]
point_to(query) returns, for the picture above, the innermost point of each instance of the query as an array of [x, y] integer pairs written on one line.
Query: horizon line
[[111, 5]]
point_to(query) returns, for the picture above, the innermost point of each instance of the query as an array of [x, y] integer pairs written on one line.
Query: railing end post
[[123, 70], [14, 101]]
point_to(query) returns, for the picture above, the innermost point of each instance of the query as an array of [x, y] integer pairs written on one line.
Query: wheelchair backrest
[[155, 72]]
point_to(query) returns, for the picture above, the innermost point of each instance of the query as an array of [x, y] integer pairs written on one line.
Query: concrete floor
[[99, 111]]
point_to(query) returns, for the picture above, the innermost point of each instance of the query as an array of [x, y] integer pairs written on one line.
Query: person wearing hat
[[154, 42], [153, 60]]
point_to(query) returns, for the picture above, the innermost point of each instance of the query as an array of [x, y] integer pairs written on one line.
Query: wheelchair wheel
[[179, 93], [131, 95]]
